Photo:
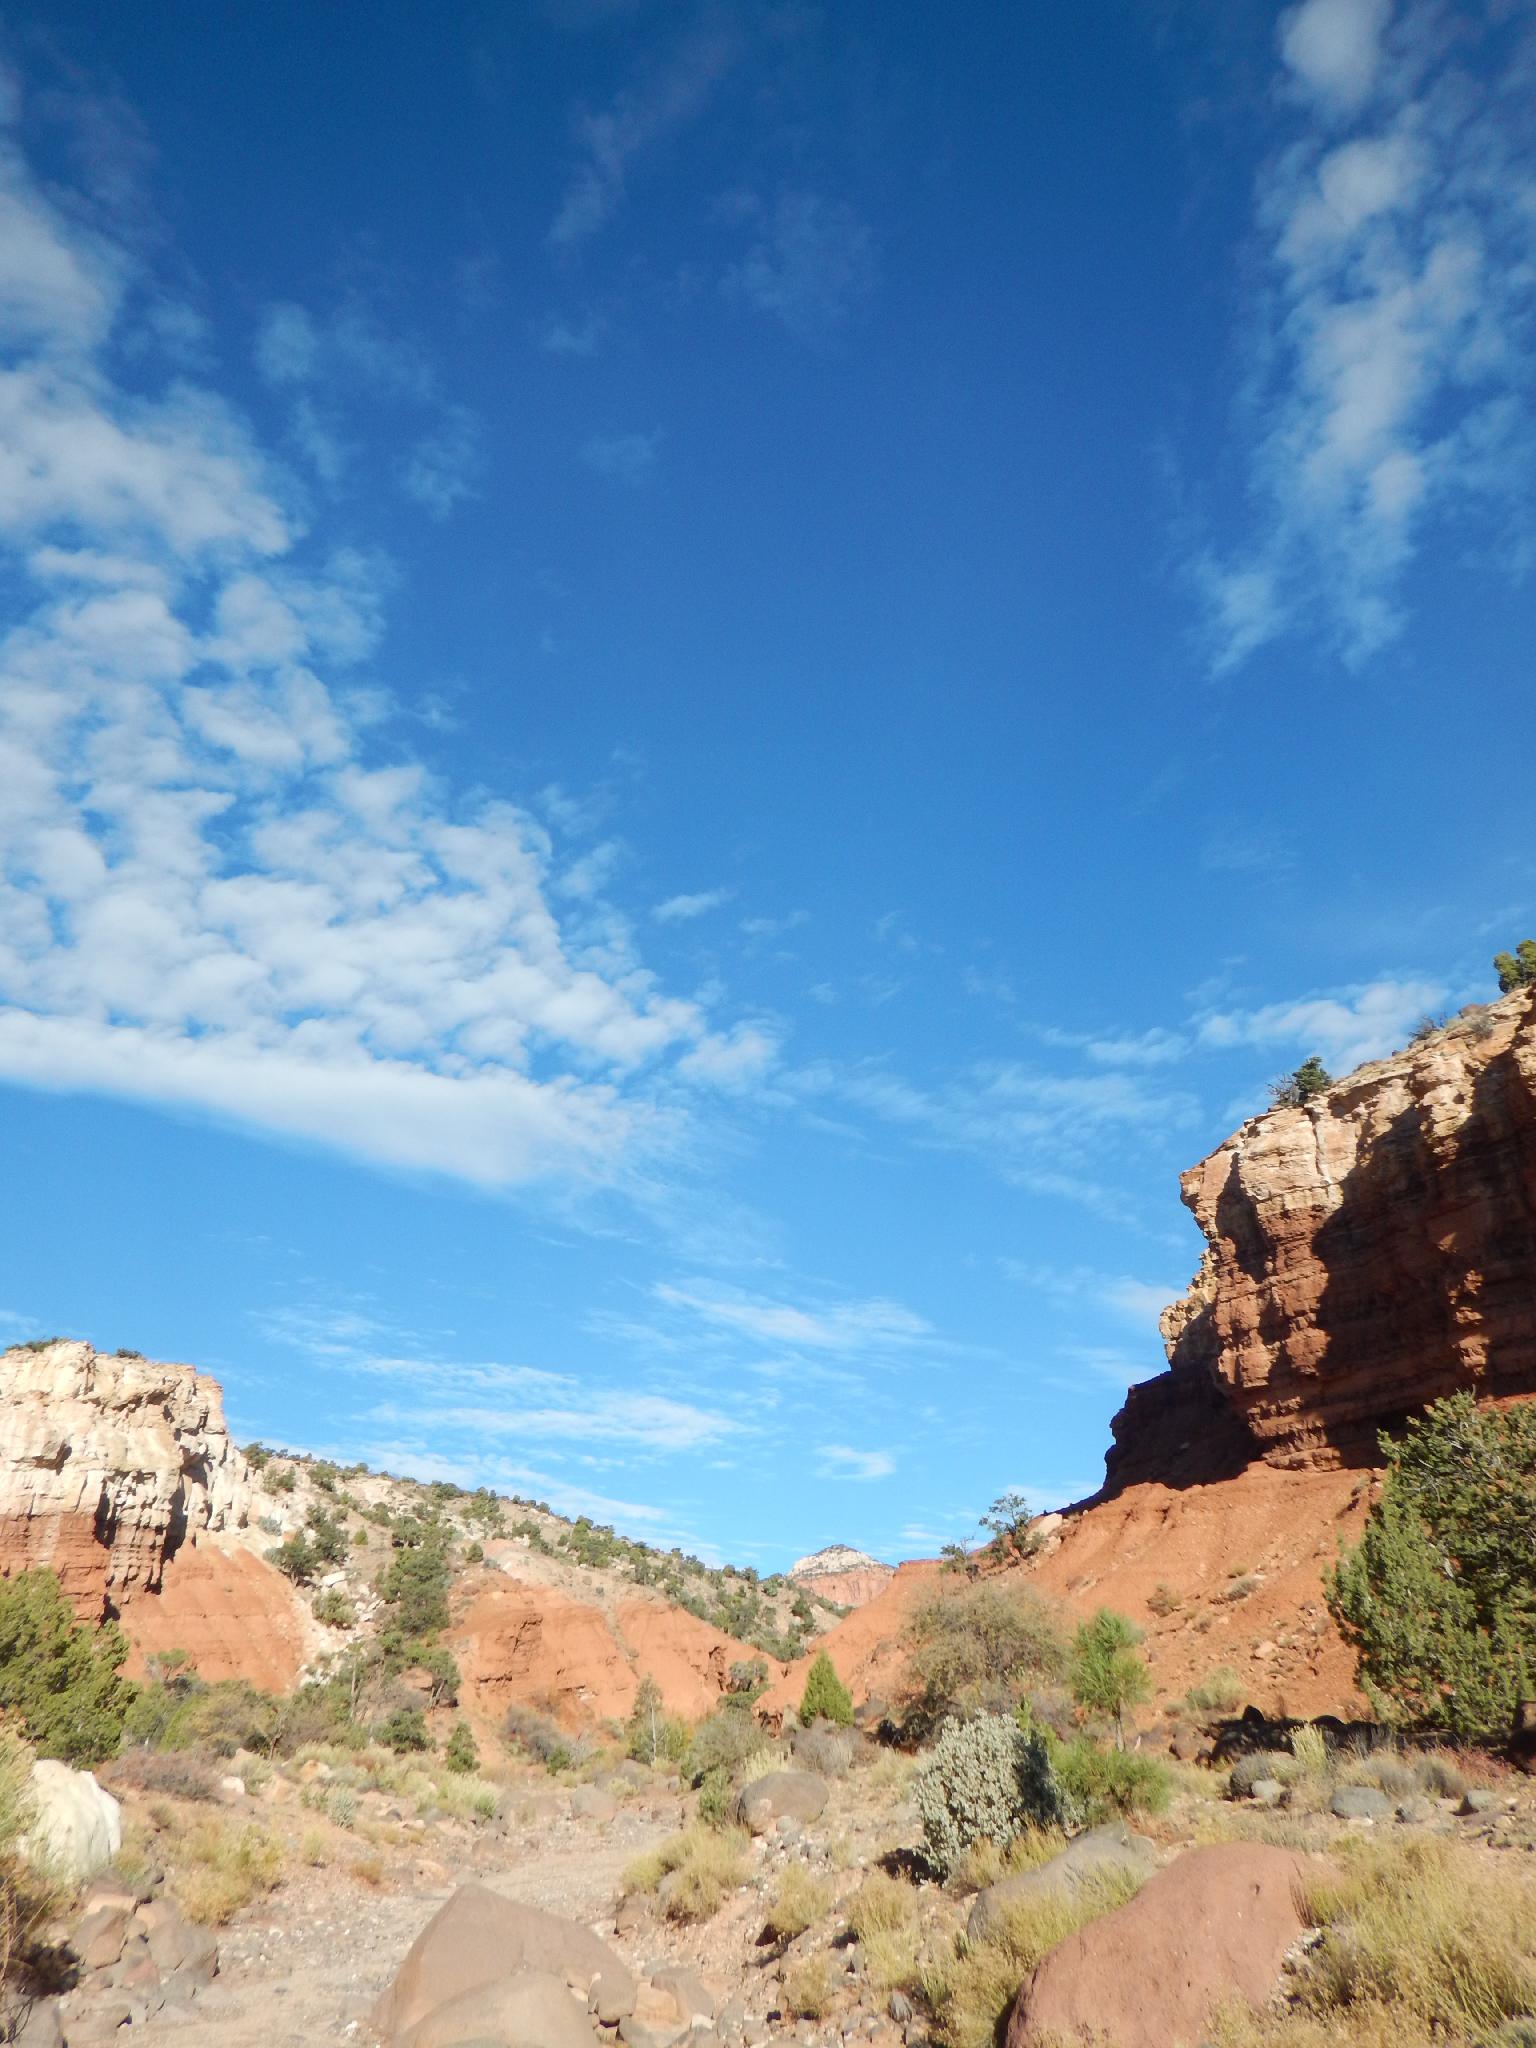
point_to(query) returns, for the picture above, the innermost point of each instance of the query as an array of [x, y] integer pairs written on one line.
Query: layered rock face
[[1365, 1254], [108, 1466], [846, 1577]]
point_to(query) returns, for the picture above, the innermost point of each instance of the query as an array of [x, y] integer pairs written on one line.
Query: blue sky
[[689, 690]]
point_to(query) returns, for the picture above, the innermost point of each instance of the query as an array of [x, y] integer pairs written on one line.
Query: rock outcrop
[[1366, 1253], [846, 1577], [107, 1466]]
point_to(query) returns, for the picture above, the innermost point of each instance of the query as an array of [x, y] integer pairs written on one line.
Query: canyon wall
[[846, 1577], [108, 1465], [1366, 1253]]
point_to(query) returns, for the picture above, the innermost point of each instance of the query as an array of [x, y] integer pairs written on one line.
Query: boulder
[[690, 1996], [77, 1826], [1359, 1802], [477, 1938], [98, 1940], [1478, 1800], [177, 1948], [612, 1997], [1212, 1927], [798, 1794], [530, 2009], [591, 1802], [1112, 1847]]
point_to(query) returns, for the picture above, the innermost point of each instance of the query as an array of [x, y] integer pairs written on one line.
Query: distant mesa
[[843, 1575]]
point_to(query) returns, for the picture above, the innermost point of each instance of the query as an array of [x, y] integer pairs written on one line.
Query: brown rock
[[177, 1948], [1108, 1850], [478, 1938], [530, 2009], [100, 1936], [1212, 1927], [846, 1577], [690, 1996], [797, 1795]]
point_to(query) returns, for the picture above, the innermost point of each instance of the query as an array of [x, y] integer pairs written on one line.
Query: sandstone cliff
[[1365, 1254], [108, 1465], [846, 1577]]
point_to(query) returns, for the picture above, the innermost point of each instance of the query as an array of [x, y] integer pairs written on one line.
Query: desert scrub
[[883, 1915], [985, 1780], [1428, 1928], [808, 1988], [972, 1993], [703, 1864], [984, 1862], [799, 1901], [218, 1867], [341, 1806], [1221, 1693], [315, 1848], [1104, 1782]]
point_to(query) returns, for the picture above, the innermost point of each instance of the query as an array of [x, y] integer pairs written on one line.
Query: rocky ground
[[307, 1963]]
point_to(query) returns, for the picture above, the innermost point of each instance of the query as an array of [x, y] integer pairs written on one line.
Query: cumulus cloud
[[211, 895], [1346, 1028], [1391, 384]]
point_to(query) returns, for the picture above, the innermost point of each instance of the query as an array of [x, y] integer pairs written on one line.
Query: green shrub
[[1439, 1598], [825, 1698], [461, 1755], [985, 1780], [725, 1740], [1104, 1782], [981, 1647], [57, 1676], [1293, 1090], [334, 1608], [405, 1731], [1517, 969]]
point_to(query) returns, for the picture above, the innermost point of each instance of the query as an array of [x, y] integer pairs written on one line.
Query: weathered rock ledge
[[1365, 1254], [108, 1465]]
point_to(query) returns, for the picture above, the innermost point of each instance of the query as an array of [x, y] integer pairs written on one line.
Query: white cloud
[[210, 896], [1333, 47], [849, 1326], [839, 1462], [648, 1422], [582, 338], [623, 457], [1391, 373], [1357, 1024], [683, 909], [1135, 1301]]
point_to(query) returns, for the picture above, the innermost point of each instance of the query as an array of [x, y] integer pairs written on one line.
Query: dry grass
[[707, 1864], [971, 1993], [315, 1848], [808, 1988], [799, 1901], [984, 1862], [883, 1914], [218, 1866]]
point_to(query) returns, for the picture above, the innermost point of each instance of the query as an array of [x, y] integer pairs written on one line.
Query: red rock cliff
[[1365, 1254]]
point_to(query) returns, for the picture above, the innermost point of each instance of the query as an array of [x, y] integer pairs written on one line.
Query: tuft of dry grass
[[799, 1901], [984, 1862], [315, 1848], [706, 1863], [218, 1866], [971, 1994], [808, 1988], [883, 1914]]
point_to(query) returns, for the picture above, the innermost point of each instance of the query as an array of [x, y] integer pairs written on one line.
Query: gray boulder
[[1478, 1800], [1112, 1847], [1359, 1802], [797, 1795]]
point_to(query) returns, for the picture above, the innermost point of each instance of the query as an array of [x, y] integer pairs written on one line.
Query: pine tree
[[461, 1755], [60, 1677], [1517, 969], [825, 1697], [1107, 1674], [1439, 1597]]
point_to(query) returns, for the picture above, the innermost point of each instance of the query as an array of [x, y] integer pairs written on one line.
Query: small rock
[[99, 1939], [231, 1787], [900, 2008], [1478, 1800], [1359, 1802], [1416, 1812], [1267, 1792]]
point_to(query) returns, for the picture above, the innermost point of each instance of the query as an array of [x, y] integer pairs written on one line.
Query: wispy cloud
[[648, 1422], [812, 265], [1345, 1028], [847, 1326], [1135, 1301], [838, 1461], [216, 894], [611, 139], [1392, 382], [624, 458], [683, 909]]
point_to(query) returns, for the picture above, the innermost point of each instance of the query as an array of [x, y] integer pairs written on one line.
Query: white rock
[[77, 1827]]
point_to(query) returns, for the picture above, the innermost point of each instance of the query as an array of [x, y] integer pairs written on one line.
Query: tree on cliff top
[[1439, 1598], [60, 1677], [1310, 1078], [1517, 969]]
